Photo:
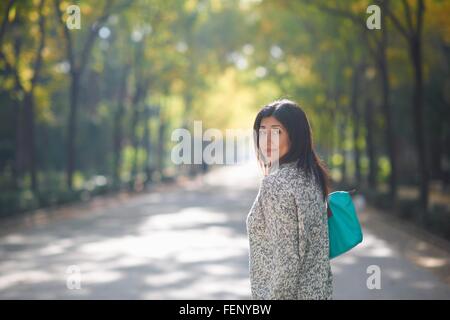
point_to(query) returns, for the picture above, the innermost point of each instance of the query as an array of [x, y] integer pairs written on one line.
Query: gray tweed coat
[[288, 238]]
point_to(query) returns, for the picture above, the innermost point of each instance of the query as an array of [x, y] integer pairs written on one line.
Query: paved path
[[182, 243]]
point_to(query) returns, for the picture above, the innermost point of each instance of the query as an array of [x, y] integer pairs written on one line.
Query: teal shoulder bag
[[344, 229]]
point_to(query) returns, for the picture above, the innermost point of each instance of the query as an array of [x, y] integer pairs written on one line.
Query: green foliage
[[152, 66]]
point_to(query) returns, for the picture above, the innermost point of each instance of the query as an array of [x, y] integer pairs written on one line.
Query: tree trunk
[[20, 148], [117, 139], [30, 138], [371, 154], [356, 117], [29, 102], [161, 151], [436, 147], [416, 55], [72, 127], [19, 144], [390, 135], [147, 144], [341, 146], [134, 124]]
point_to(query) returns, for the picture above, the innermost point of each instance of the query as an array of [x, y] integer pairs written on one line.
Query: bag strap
[[329, 212]]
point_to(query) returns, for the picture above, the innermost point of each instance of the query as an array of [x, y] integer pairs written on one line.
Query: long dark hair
[[294, 119]]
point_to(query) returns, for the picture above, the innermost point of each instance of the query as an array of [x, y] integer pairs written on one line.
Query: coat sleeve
[[287, 237]]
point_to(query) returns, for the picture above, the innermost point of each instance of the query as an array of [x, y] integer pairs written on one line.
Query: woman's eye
[[272, 132]]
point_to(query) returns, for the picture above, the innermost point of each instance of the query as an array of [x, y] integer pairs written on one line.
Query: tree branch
[[96, 26], [38, 62], [397, 24], [9, 68], [408, 17], [420, 11], [67, 36], [337, 11], [5, 22]]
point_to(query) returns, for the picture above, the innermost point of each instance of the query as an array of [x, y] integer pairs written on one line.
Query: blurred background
[[87, 116]]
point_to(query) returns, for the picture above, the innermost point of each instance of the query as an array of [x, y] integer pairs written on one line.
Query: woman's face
[[273, 138]]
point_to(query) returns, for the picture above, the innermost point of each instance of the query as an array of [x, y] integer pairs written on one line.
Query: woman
[[287, 224]]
